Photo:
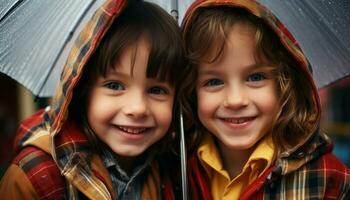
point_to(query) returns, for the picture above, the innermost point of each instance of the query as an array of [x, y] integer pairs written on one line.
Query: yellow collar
[[262, 156], [222, 187]]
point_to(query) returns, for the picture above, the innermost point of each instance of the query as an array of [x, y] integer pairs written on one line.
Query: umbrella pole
[[175, 13], [174, 10], [183, 157]]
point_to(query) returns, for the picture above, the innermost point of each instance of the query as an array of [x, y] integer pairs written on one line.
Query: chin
[[129, 152], [241, 146]]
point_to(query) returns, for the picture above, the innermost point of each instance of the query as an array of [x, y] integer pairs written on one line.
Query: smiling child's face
[[237, 97], [128, 111]]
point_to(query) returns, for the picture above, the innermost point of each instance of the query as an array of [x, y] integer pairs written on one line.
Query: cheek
[[269, 104], [99, 109], [164, 113], [207, 104]]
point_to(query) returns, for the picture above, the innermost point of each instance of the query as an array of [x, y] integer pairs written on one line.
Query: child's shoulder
[[330, 175], [330, 164], [41, 170], [31, 156], [327, 168], [325, 177]]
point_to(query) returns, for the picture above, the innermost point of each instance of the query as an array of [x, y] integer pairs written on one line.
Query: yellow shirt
[[222, 187]]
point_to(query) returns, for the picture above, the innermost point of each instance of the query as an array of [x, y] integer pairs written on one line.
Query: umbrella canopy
[[36, 37], [321, 28]]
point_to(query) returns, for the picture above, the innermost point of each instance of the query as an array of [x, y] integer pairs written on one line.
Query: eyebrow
[[259, 66], [247, 67], [266, 67], [208, 72], [115, 72]]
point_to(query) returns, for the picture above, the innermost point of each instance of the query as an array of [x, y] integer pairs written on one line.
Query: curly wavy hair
[[296, 101]]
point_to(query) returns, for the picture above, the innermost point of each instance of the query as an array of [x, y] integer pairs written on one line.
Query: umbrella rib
[[11, 10], [64, 45]]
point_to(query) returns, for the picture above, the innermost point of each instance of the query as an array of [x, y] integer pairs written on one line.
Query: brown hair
[[209, 29], [165, 62]]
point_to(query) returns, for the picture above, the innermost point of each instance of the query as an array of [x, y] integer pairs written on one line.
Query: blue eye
[[213, 82], [157, 90], [115, 86], [256, 77]]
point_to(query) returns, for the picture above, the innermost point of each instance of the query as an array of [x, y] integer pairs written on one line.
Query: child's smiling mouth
[[239, 120], [132, 130]]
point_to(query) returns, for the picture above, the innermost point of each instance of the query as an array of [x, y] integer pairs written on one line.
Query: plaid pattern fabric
[[78, 168], [74, 157], [28, 128], [322, 178], [83, 48], [40, 168]]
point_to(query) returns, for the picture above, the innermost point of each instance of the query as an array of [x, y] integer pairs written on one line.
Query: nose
[[236, 97], [136, 105]]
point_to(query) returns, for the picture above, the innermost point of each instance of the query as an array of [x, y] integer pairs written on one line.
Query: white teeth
[[132, 130], [238, 121]]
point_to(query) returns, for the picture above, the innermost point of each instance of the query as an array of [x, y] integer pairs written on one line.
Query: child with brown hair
[[252, 109], [108, 132]]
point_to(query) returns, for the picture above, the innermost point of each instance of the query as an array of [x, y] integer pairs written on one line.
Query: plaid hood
[[85, 45], [315, 144], [66, 148]]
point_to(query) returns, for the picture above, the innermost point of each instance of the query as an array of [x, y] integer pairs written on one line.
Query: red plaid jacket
[[324, 177], [34, 174]]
